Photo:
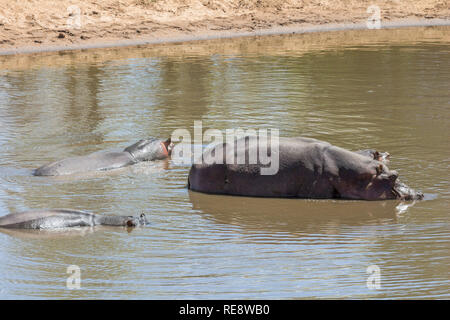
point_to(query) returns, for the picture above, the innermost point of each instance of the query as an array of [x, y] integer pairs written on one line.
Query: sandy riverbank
[[47, 25]]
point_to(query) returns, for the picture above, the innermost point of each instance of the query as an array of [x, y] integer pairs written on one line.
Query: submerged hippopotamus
[[143, 150], [63, 218], [307, 168]]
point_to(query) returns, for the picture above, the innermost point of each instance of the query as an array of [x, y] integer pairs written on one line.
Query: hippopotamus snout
[[403, 192], [134, 222], [398, 190], [150, 149]]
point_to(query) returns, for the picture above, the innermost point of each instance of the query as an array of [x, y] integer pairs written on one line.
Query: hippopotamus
[[307, 168], [143, 150], [64, 218]]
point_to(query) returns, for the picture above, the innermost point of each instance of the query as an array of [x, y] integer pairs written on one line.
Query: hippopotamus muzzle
[[403, 192], [134, 222], [386, 179]]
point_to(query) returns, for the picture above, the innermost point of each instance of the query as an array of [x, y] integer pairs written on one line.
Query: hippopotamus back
[[92, 162]]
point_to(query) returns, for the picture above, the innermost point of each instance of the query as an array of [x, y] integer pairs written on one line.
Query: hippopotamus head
[[379, 183], [136, 221], [386, 178], [150, 149]]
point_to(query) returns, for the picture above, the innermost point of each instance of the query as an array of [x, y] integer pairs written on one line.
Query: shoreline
[[35, 26], [201, 36]]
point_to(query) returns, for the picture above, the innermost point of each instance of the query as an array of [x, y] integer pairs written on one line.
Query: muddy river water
[[383, 89]]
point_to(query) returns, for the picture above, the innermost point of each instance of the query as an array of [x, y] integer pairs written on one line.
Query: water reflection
[[57, 234], [294, 216]]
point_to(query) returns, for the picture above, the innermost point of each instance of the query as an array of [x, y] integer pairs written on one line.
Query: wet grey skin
[[64, 218], [143, 150], [375, 155], [308, 168]]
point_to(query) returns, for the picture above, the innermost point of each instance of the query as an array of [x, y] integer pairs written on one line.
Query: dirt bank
[[42, 25]]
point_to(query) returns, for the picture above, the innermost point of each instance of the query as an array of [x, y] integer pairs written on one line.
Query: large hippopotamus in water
[[307, 168], [64, 218], [143, 150]]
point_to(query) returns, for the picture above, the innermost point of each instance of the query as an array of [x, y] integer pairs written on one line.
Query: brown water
[[388, 90]]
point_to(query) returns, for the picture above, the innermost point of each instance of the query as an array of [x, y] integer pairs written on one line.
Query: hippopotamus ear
[[143, 219]]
